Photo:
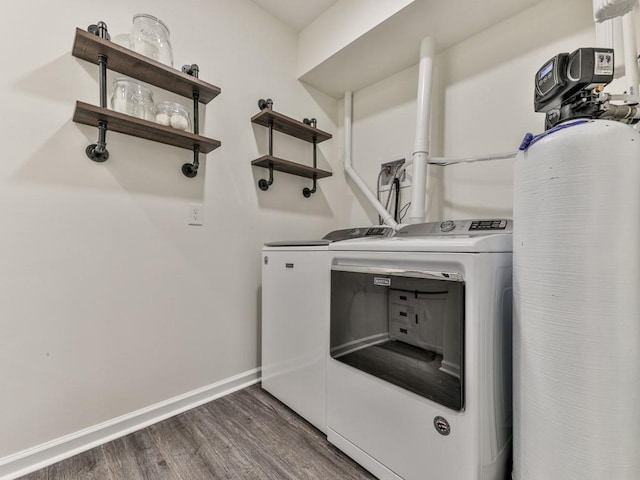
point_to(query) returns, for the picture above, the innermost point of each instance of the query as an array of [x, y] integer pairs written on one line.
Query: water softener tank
[[576, 248]]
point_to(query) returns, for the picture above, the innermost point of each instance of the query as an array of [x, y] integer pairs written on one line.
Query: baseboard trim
[[32, 459]]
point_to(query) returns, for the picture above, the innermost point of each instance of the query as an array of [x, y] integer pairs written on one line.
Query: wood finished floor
[[245, 435]]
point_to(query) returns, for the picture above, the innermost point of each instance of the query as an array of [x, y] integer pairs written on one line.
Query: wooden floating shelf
[[293, 168], [290, 126], [119, 122], [87, 46]]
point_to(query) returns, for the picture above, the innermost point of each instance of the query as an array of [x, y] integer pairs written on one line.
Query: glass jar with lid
[[133, 98], [150, 37]]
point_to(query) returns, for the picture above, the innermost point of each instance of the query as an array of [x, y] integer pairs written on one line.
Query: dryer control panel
[[457, 227]]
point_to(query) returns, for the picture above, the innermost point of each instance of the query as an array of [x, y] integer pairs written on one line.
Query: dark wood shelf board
[[290, 126], [119, 122], [87, 46], [287, 166]]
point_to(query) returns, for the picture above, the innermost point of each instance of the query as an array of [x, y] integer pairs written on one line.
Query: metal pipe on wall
[[420, 155]]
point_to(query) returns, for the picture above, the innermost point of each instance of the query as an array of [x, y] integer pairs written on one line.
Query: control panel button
[[447, 226]]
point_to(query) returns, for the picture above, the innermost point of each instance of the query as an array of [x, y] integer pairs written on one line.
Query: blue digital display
[[546, 70]]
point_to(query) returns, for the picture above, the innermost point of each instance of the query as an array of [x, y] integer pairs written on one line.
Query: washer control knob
[[447, 226]]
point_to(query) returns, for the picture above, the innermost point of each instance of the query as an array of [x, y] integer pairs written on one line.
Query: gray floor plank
[[222, 446], [183, 451], [329, 460], [247, 435], [90, 465], [263, 443], [278, 428], [39, 475], [269, 465], [136, 457]]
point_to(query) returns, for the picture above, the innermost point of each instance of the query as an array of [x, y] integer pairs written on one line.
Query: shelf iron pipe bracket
[[99, 29], [190, 170], [98, 151], [264, 184], [306, 192], [192, 70], [262, 103]]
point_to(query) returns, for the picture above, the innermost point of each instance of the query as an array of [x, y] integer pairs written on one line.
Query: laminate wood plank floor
[[245, 435]]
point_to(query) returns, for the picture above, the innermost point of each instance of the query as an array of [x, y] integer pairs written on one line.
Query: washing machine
[[295, 319], [419, 374]]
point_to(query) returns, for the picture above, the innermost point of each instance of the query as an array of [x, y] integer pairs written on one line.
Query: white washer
[[295, 320], [419, 374]]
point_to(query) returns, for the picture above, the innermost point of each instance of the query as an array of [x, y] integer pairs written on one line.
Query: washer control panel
[[457, 227], [488, 225]]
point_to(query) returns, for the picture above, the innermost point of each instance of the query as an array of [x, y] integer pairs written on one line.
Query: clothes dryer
[[295, 320], [419, 374]]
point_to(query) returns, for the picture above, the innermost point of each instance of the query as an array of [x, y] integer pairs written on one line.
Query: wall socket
[[194, 214], [388, 169]]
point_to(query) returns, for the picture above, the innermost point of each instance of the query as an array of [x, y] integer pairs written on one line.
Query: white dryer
[[295, 320], [419, 374]]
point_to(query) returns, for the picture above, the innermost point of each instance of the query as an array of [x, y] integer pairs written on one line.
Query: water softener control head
[[567, 85]]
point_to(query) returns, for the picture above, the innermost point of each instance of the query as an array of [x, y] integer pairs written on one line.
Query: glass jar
[[122, 39], [150, 37], [173, 115], [132, 98]]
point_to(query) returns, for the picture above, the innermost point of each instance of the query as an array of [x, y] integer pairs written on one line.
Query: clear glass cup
[[150, 37], [133, 98], [174, 115]]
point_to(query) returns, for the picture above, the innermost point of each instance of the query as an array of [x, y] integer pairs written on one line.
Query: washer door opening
[[405, 327]]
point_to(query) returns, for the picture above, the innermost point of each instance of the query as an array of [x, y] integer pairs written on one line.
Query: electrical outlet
[[388, 169], [194, 214]]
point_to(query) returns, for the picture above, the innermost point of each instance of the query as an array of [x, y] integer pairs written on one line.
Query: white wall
[[341, 24], [109, 302], [483, 103]]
